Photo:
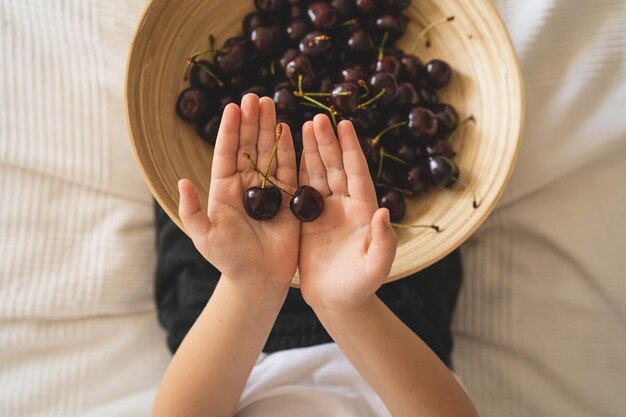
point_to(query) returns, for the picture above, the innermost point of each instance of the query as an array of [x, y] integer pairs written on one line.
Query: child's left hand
[[246, 250]]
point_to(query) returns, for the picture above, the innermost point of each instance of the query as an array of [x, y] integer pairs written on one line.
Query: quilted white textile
[[541, 325]]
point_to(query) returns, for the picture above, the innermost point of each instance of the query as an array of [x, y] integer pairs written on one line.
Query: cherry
[[270, 6], [367, 7], [297, 11], [416, 180], [326, 84], [208, 130], [394, 202], [360, 45], [447, 118], [343, 98], [286, 102], [389, 64], [396, 5], [296, 29], [252, 21], [345, 8], [384, 84], [299, 68], [193, 104], [266, 39], [440, 146], [315, 44], [422, 123], [427, 96], [365, 120], [437, 73], [307, 203], [287, 56], [323, 16], [352, 74], [442, 171], [262, 203], [202, 74], [407, 96], [406, 151], [411, 68], [393, 24], [232, 60]]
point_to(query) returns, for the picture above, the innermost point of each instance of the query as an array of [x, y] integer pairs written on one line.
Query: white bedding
[[541, 324]]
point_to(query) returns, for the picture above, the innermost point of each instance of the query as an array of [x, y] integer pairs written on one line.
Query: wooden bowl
[[486, 84]]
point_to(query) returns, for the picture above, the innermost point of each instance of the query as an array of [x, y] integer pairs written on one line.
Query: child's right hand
[[345, 254], [246, 250]]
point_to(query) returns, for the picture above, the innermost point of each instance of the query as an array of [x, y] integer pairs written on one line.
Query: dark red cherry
[[437, 73], [315, 45], [416, 180], [440, 146], [372, 156], [394, 202], [237, 83], [326, 85], [389, 64], [442, 171], [396, 5], [388, 176], [406, 150], [262, 203], [428, 97], [345, 104], [393, 24], [422, 123], [297, 11], [287, 56], [447, 118], [352, 74], [367, 7], [407, 97], [285, 101], [411, 68], [271, 6], [296, 29], [266, 39], [360, 45], [345, 8], [365, 120], [323, 16], [193, 105], [208, 130], [232, 60], [306, 204], [386, 81], [300, 66], [252, 21], [200, 77]]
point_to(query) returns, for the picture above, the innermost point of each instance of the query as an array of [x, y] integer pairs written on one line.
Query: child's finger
[[303, 176], [360, 184], [194, 218], [286, 169], [249, 131], [314, 166], [267, 134], [330, 151], [225, 153], [382, 248]]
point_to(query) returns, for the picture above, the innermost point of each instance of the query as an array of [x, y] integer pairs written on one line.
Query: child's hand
[[346, 254], [246, 250]]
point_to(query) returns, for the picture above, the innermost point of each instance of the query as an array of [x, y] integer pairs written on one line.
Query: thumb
[[195, 220], [382, 249]]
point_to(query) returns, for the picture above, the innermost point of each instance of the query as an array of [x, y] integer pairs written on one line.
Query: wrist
[[256, 292], [346, 312]]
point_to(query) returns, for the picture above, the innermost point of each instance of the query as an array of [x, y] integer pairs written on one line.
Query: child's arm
[[357, 244], [257, 260]]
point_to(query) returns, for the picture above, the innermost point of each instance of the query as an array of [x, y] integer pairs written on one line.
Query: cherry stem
[[363, 84], [465, 185], [341, 93], [348, 22], [382, 46], [452, 135], [256, 168], [322, 38], [424, 226], [300, 83], [273, 67], [394, 158], [376, 139], [373, 99], [424, 33], [211, 73], [279, 132], [320, 105], [391, 187], [381, 158]]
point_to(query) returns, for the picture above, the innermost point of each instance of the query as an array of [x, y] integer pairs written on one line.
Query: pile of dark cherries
[[293, 50]]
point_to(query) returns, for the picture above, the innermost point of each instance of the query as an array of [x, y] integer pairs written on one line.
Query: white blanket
[[541, 324]]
